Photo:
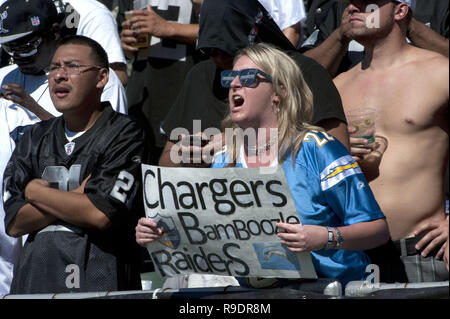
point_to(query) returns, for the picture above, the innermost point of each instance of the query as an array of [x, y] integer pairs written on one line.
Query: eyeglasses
[[22, 50], [247, 77], [70, 69]]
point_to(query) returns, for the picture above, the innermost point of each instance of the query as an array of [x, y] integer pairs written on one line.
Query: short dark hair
[[98, 53]]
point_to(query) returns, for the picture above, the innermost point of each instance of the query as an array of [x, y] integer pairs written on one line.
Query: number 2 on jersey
[[123, 184]]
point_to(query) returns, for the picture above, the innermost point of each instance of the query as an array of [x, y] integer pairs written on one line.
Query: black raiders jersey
[[68, 258]]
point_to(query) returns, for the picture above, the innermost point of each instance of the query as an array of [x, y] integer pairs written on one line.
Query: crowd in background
[[175, 77]]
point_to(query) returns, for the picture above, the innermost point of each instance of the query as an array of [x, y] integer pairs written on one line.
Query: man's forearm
[[184, 33], [426, 38], [330, 53], [71, 207], [32, 106], [29, 219]]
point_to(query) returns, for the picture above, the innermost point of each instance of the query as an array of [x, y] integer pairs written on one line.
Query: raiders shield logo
[[69, 147]]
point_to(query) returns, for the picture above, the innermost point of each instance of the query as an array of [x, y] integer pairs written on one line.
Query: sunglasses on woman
[[247, 77]]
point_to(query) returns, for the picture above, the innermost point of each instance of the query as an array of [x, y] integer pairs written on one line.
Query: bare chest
[[403, 106]]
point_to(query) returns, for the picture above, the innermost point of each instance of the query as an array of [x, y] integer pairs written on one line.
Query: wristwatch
[[330, 242]]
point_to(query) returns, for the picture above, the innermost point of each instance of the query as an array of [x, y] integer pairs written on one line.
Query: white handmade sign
[[222, 221]]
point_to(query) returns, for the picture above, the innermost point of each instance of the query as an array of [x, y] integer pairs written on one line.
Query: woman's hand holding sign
[[147, 231], [299, 238]]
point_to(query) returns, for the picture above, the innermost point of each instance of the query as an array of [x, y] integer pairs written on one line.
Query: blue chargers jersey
[[329, 189]]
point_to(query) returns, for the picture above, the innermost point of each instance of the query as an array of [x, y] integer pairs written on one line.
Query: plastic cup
[[363, 121], [143, 39]]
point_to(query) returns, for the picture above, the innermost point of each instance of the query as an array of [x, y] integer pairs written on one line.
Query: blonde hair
[[296, 99]]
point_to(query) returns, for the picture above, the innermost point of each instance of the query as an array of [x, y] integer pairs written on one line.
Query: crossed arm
[[46, 205]]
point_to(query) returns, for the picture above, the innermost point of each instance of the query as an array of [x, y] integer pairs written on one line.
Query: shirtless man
[[409, 88]]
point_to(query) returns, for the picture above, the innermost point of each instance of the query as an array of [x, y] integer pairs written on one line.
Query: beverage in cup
[[143, 39], [363, 122]]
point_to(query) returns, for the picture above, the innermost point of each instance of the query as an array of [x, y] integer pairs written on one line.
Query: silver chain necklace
[[265, 147]]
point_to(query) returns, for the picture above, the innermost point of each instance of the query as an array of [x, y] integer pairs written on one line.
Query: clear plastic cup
[[363, 121]]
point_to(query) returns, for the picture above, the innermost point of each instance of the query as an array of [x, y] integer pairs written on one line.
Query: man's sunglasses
[[23, 49], [247, 77]]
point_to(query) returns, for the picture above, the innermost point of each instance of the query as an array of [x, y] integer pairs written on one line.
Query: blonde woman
[[339, 214], [337, 209]]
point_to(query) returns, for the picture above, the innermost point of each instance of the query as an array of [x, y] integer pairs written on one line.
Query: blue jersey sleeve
[[341, 180], [220, 160]]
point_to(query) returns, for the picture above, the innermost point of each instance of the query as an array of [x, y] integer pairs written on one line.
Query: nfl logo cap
[[19, 18]]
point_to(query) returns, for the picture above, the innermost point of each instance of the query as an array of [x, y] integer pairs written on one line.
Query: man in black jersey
[[73, 182]]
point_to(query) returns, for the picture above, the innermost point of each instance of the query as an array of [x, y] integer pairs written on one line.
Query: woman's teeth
[[238, 100]]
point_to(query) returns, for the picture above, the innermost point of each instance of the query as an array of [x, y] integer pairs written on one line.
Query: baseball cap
[[19, 18]]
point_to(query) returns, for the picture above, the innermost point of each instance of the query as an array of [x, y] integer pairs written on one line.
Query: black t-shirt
[[202, 97], [110, 152], [326, 98]]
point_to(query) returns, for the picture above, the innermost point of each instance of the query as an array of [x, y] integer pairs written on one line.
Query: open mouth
[[61, 92], [238, 101]]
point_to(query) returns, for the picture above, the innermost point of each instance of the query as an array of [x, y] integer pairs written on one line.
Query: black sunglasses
[[23, 48], [247, 77]]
